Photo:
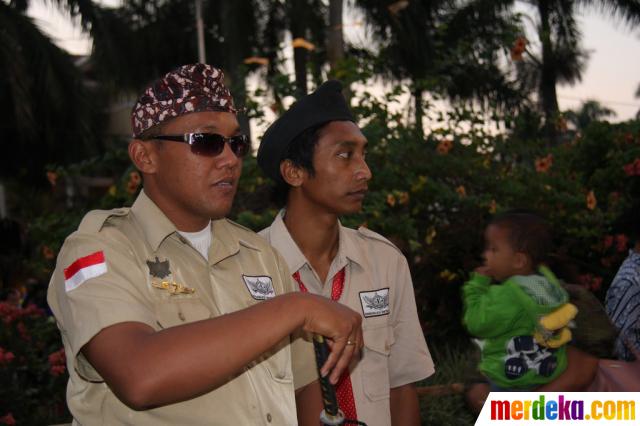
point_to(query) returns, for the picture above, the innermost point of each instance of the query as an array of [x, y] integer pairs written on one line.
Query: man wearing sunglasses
[[171, 314], [316, 155]]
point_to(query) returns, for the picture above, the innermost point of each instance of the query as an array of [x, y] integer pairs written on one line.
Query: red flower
[[632, 169], [6, 357], [57, 370], [57, 357], [8, 419], [47, 253], [24, 333], [590, 281], [391, 199], [52, 177], [33, 311], [134, 182], [544, 164], [444, 146], [518, 48], [628, 137], [592, 202], [621, 242], [607, 241], [10, 313], [57, 363]]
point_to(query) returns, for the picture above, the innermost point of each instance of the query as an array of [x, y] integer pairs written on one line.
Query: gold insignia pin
[[173, 287]]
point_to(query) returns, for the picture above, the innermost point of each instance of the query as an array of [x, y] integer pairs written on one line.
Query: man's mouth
[[225, 183], [360, 193]]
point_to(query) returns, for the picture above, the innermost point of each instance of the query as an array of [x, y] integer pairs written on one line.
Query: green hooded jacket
[[504, 316]]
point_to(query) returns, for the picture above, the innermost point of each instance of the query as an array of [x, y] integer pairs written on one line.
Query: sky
[[612, 75]]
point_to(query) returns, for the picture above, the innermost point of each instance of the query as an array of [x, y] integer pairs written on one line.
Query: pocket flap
[[378, 338]]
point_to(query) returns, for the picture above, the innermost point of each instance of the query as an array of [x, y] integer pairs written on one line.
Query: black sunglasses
[[210, 144]]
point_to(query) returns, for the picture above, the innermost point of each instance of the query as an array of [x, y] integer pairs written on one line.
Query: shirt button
[[269, 418]]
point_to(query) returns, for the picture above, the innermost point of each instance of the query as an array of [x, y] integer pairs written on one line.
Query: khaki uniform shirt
[[141, 250], [378, 285]]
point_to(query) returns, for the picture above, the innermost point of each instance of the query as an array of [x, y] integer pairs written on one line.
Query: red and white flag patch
[[82, 269]]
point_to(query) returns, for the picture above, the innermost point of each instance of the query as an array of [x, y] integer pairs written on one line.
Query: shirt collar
[[224, 243], [282, 241], [155, 225], [351, 245]]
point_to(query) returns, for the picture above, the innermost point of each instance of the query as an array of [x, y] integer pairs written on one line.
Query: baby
[[522, 321]]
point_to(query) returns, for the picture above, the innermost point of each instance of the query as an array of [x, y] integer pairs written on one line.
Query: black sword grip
[[329, 399]]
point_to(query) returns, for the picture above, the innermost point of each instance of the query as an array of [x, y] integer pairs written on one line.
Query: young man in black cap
[[316, 154], [169, 313]]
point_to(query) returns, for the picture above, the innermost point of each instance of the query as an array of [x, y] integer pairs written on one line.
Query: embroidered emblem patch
[[375, 303], [260, 287], [159, 269]]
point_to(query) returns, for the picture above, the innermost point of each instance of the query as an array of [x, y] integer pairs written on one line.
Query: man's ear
[[292, 174], [143, 156]]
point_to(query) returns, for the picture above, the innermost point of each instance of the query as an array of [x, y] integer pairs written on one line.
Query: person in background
[[522, 321], [623, 296]]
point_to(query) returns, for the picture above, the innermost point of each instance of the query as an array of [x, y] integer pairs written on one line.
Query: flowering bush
[[32, 367], [431, 195]]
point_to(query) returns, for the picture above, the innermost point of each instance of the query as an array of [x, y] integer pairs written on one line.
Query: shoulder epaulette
[[367, 233], [246, 236], [237, 225], [95, 220]]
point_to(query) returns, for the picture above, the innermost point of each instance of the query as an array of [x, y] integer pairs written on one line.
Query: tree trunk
[[419, 110], [232, 62], [548, 75], [335, 42], [298, 27]]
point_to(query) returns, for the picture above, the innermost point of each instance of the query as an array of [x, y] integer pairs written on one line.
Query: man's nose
[[227, 158], [363, 172]]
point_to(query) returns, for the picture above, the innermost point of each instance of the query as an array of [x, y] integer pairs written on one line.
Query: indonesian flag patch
[[82, 269]]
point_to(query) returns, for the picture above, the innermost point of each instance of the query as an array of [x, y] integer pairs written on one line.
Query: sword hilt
[[331, 415]]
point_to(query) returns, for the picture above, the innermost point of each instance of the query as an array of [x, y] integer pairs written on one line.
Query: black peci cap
[[322, 106]]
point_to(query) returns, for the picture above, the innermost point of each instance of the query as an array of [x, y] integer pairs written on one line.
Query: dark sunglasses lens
[[239, 145], [207, 144]]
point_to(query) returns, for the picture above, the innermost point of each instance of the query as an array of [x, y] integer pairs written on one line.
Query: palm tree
[[142, 39], [638, 96], [445, 47], [304, 19], [335, 39], [48, 114], [588, 112], [561, 59]]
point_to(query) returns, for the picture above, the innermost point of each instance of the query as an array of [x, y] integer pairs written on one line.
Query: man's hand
[[483, 270], [340, 325]]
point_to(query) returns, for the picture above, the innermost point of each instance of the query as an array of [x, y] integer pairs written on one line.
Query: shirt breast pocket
[[375, 364], [170, 313], [278, 362]]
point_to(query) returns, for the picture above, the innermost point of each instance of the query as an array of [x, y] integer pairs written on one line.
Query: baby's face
[[499, 257]]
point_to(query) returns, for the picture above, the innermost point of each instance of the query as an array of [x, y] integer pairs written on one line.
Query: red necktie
[[344, 391]]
